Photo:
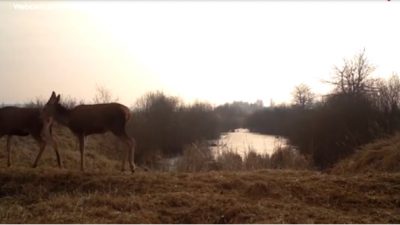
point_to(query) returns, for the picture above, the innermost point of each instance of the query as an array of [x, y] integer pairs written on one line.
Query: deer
[[16, 121], [87, 119]]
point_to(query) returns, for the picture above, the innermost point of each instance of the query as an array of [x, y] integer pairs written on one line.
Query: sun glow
[[217, 57], [212, 51]]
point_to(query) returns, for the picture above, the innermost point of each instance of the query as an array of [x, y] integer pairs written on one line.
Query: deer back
[[19, 121], [98, 118]]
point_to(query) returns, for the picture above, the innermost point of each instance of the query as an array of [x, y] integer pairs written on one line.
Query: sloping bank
[[379, 156]]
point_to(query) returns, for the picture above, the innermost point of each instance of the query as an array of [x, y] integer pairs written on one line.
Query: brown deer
[[23, 122], [84, 120]]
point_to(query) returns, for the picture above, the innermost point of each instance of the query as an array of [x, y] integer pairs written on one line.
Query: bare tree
[[354, 76], [103, 95], [302, 96], [388, 96]]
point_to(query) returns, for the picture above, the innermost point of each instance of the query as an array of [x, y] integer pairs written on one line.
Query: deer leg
[[123, 160], [55, 147], [130, 142], [8, 151], [81, 149], [49, 139], [42, 146]]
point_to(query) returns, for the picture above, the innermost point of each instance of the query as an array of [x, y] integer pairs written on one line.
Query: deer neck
[[63, 115]]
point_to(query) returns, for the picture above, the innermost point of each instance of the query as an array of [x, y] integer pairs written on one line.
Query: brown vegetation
[[104, 195], [380, 156], [200, 157], [263, 196], [164, 125], [229, 188]]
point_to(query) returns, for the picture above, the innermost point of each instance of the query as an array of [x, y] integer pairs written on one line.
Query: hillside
[[379, 156]]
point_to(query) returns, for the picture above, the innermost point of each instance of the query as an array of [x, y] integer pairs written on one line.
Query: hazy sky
[[214, 51]]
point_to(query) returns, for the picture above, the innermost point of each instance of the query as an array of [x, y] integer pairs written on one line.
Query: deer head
[[49, 110]]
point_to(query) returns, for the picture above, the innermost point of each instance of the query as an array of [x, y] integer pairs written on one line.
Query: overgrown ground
[[105, 195], [265, 196], [379, 156]]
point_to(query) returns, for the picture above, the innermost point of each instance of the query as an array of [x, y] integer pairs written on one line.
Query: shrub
[[200, 157], [253, 160], [163, 123], [196, 157], [288, 158]]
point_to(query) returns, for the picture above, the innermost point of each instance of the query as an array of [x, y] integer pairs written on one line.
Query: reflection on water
[[242, 141]]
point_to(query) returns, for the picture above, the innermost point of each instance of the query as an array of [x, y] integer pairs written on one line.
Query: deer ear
[[52, 98], [58, 98]]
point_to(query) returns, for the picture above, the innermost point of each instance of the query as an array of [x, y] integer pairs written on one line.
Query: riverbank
[[49, 195]]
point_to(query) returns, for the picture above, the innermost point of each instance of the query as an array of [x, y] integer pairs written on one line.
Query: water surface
[[242, 141]]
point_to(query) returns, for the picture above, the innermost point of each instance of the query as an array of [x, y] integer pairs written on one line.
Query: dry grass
[[380, 156], [254, 161], [263, 196], [105, 195], [229, 160], [288, 158], [200, 157], [196, 157]]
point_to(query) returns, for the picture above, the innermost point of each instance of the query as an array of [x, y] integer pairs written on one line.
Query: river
[[239, 141], [242, 141]]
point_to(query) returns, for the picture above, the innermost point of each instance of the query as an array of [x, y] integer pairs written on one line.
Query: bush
[[196, 157], [288, 158], [229, 160], [254, 161], [163, 123], [200, 157]]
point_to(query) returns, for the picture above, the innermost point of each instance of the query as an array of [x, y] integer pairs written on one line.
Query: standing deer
[[22, 122], [84, 120]]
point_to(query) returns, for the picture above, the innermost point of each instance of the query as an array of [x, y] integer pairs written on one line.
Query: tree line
[[358, 110]]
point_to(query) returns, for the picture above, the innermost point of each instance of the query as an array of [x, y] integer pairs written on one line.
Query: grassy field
[[105, 195], [264, 196]]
